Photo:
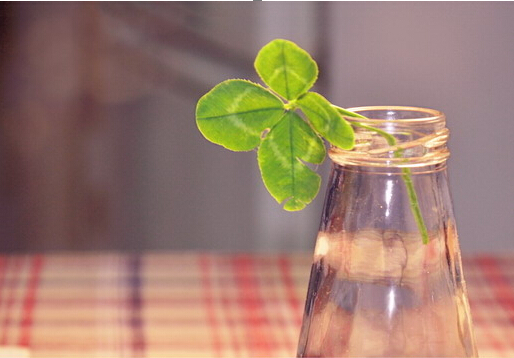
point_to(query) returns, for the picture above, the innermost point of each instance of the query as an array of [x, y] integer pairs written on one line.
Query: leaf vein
[[292, 158], [242, 113], [286, 80]]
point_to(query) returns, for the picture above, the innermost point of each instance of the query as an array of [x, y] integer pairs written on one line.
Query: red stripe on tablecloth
[[493, 278], [279, 318], [259, 341], [17, 263], [294, 302], [487, 335], [29, 301], [205, 269], [228, 310], [501, 287]]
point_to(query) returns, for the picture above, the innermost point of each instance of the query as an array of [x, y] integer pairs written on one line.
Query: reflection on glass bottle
[[375, 289]]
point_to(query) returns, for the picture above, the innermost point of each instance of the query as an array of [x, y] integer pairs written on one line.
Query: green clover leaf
[[286, 68], [241, 115], [235, 113], [280, 157], [326, 120]]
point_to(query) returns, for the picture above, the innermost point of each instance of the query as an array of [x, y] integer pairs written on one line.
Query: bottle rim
[[427, 115], [421, 135]]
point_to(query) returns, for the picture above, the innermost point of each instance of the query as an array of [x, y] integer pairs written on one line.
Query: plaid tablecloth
[[190, 304]]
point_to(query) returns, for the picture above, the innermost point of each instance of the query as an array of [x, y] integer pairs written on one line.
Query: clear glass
[[376, 290]]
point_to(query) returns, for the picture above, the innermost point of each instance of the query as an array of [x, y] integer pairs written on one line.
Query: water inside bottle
[[385, 294]]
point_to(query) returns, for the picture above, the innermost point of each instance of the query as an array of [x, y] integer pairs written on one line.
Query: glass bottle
[[376, 289]]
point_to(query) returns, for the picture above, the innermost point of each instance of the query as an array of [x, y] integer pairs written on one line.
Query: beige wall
[[100, 149], [456, 57]]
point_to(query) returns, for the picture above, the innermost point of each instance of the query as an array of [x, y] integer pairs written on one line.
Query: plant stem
[[414, 203], [406, 172]]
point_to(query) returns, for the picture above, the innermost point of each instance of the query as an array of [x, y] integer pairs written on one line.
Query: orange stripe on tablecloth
[[3, 265], [80, 280], [186, 302], [205, 269], [30, 300], [156, 322], [3, 268], [259, 340], [17, 263], [294, 301], [81, 348]]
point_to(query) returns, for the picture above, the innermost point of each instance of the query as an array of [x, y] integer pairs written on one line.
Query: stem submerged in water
[[414, 204], [406, 172]]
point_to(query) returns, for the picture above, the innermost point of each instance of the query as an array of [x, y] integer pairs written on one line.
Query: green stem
[[414, 203], [406, 172]]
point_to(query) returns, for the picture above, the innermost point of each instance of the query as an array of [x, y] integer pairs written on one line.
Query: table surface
[[195, 304]]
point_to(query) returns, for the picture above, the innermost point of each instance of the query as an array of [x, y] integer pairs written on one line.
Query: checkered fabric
[[194, 305]]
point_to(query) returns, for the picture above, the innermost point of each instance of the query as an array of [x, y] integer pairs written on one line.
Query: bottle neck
[[391, 138]]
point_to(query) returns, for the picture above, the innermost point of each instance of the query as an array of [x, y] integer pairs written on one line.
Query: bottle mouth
[[402, 114], [420, 135]]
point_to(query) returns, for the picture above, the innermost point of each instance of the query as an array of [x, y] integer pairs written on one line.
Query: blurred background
[[99, 147]]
